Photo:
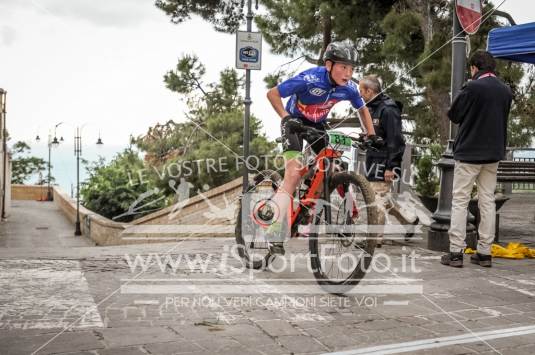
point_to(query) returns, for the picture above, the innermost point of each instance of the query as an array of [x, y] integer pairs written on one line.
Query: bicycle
[[342, 218]]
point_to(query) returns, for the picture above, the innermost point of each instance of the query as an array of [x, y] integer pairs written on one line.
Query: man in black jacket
[[481, 109], [383, 167]]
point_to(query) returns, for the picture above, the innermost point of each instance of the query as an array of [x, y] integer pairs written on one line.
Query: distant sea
[[63, 162], [524, 154]]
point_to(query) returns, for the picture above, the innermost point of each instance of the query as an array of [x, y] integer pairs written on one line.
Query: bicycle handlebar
[[361, 141]]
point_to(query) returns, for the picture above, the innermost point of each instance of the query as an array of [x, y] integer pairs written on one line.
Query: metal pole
[[458, 70], [247, 102], [51, 142], [438, 238], [3, 95], [77, 152], [49, 193]]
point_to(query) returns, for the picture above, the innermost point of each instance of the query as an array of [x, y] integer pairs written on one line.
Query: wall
[[216, 208], [8, 187], [210, 214], [101, 230], [28, 192]]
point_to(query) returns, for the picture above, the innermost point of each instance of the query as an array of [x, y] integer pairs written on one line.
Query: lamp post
[[3, 94], [247, 102], [78, 154], [438, 238], [52, 143]]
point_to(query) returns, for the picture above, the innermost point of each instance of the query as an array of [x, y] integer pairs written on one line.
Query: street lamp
[[52, 143], [78, 154], [55, 142], [99, 141], [438, 237]]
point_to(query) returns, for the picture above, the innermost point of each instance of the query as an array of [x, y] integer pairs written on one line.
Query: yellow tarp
[[512, 251]]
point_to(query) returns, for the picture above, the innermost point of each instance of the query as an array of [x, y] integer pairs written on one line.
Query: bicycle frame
[[319, 181]]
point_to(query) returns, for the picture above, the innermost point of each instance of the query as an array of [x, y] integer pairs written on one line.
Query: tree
[[219, 97], [212, 133], [24, 166], [427, 181], [405, 42], [391, 38], [305, 27], [225, 15], [111, 191], [522, 120]]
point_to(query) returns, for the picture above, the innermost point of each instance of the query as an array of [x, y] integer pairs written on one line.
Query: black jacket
[[386, 116], [481, 109]]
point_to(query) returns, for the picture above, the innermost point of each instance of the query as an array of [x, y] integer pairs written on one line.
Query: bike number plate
[[341, 142]]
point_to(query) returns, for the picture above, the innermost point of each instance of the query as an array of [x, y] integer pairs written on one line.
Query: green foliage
[[307, 26], [274, 79], [218, 97], [221, 143], [23, 166], [225, 15], [401, 41], [521, 125], [111, 192], [206, 148], [426, 178], [186, 76], [404, 42]]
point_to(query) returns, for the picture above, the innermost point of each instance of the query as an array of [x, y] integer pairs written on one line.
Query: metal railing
[[523, 186], [512, 154]]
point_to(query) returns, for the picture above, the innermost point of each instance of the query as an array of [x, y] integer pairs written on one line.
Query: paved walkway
[[35, 224], [517, 219], [190, 297]]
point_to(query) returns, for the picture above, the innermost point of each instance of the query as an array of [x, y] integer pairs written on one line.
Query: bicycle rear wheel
[[341, 246], [250, 226]]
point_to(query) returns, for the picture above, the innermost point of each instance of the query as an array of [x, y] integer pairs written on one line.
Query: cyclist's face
[[340, 72]]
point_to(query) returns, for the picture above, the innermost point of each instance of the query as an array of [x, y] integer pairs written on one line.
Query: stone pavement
[[60, 295], [38, 224]]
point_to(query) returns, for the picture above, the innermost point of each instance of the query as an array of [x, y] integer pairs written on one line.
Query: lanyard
[[486, 76]]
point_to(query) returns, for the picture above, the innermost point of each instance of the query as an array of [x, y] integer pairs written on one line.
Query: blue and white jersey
[[313, 95]]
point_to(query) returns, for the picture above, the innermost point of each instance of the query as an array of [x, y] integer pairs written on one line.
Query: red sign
[[469, 14]]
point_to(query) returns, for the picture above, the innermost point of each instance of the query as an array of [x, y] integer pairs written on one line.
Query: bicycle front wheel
[[251, 223], [341, 245]]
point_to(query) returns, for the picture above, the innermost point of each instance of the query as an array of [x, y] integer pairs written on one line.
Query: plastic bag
[[511, 251]]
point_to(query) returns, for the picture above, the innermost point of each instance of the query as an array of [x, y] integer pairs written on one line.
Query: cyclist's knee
[[292, 174], [293, 159]]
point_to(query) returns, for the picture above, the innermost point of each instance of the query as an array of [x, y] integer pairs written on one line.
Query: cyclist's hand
[[376, 141]]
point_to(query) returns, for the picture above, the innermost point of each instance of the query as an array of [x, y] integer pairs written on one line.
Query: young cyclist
[[312, 94]]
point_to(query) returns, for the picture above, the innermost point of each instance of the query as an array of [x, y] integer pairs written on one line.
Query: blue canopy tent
[[516, 43]]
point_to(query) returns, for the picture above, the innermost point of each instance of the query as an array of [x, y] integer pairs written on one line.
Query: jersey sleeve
[[294, 85]]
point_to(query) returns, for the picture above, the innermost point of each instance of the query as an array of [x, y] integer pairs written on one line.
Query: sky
[[101, 63]]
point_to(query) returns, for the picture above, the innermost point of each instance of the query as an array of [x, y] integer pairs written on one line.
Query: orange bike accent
[[314, 191]]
